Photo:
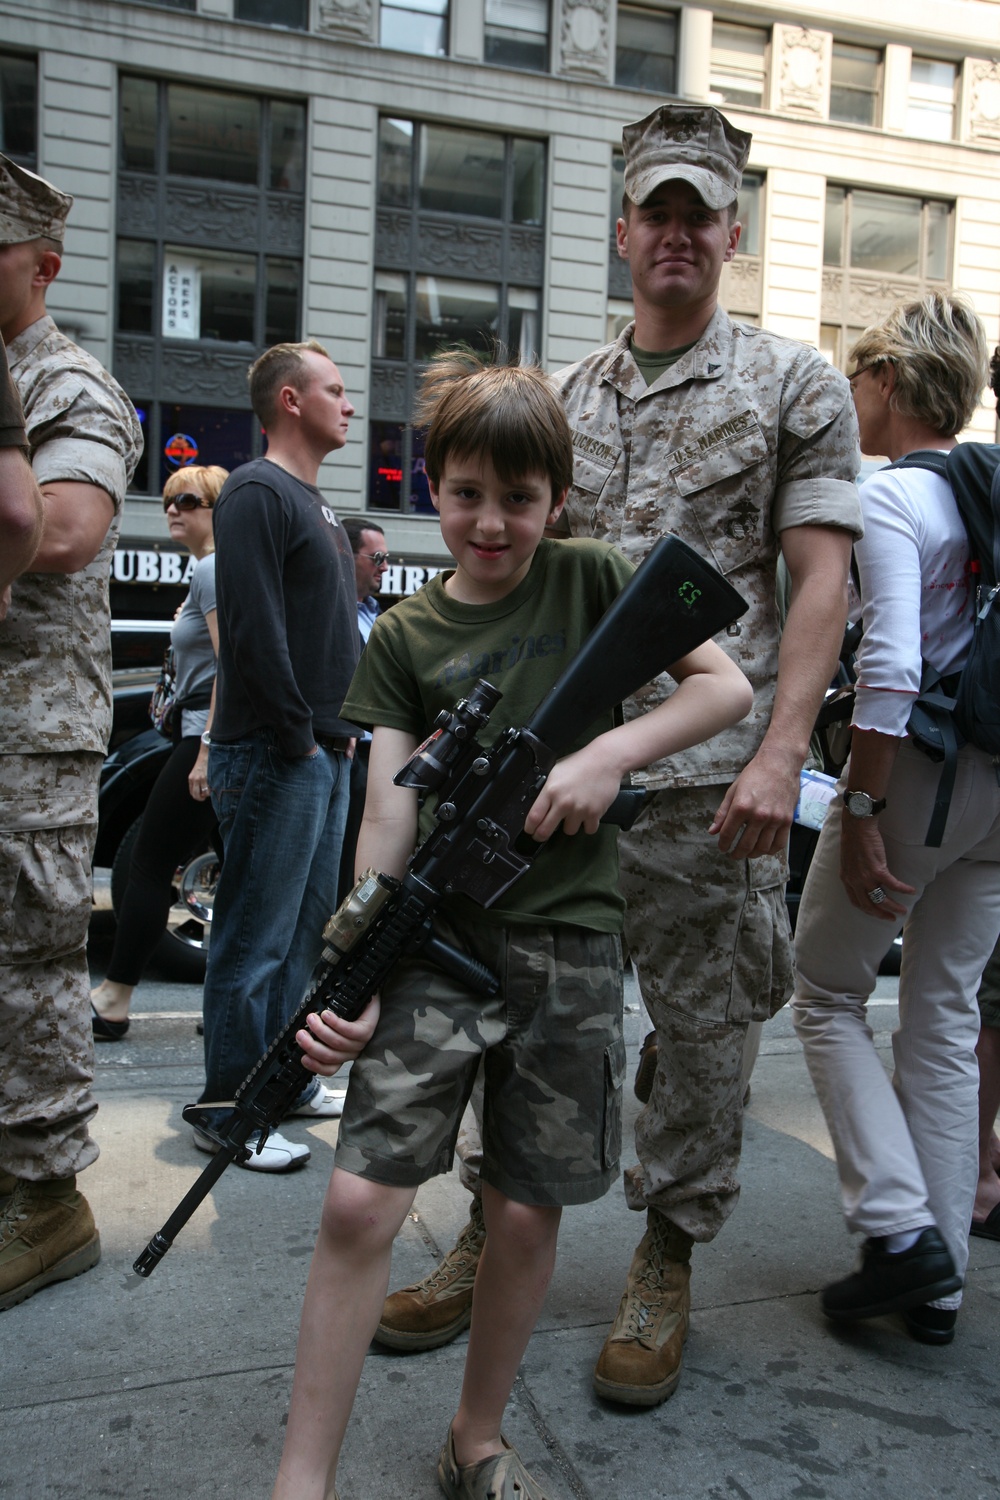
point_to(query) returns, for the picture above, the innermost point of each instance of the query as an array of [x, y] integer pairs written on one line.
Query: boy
[[515, 609]]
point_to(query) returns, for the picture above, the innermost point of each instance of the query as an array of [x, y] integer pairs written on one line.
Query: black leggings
[[174, 826]]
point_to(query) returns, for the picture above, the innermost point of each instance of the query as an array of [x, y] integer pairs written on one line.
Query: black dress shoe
[[931, 1325], [105, 1030], [887, 1283]]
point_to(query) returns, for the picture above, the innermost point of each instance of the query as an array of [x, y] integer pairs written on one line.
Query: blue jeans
[[282, 824]]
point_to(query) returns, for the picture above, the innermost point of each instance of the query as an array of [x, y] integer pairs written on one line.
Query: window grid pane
[[212, 134], [489, 183], [931, 110], [737, 67], [419, 26], [244, 298], [290, 14], [854, 84], [646, 50], [19, 109]]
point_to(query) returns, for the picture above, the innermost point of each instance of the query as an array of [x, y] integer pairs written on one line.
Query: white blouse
[[916, 590]]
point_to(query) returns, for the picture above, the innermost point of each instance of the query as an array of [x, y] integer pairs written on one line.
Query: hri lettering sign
[[146, 565]]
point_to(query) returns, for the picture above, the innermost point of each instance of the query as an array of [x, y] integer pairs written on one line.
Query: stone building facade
[[389, 177]]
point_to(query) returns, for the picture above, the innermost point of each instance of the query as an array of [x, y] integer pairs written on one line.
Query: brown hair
[[210, 478], [509, 413], [278, 366], [938, 349]]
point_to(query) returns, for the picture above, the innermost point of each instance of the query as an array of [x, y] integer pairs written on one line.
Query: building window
[[854, 84], [738, 65], [203, 171], [517, 34], [19, 108], [415, 26], [459, 258], [293, 14], [646, 49], [741, 291], [877, 248], [930, 110]]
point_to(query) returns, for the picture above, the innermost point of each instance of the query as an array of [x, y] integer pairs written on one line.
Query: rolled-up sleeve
[[818, 453]]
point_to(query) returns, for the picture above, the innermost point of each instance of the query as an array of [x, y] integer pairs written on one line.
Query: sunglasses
[[187, 501], [378, 558]]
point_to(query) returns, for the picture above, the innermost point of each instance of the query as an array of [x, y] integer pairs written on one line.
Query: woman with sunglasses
[[906, 1148], [178, 817]]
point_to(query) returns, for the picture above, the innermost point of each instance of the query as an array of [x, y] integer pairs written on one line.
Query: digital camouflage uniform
[[746, 434], [55, 719]]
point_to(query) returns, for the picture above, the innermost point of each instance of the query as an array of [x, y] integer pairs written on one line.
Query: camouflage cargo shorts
[[554, 1063]]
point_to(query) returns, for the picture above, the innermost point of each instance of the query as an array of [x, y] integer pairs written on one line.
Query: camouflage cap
[[30, 207], [694, 143]]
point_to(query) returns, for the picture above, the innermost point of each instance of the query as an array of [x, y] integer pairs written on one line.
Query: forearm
[[389, 828], [20, 515], [873, 756], [76, 521], [807, 660]]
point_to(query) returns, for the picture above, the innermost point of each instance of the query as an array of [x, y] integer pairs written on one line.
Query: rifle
[[674, 602]]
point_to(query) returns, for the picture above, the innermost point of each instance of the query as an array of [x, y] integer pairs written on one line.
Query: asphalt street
[[178, 1386]]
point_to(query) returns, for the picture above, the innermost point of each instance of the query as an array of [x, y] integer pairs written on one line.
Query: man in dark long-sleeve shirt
[[279, 762]]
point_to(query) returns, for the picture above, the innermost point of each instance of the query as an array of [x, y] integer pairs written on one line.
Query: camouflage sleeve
[[83, 431], [11, 416], [818, 453]]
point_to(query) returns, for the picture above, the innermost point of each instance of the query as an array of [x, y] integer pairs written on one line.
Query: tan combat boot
[[640, 1364], [47, 1233], [434, 1311]]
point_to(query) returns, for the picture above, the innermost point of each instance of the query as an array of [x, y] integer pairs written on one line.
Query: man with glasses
[[367, 541], [84, 442]]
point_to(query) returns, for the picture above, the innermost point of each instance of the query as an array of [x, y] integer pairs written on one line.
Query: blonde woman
[[178, 817], [906, 1149]]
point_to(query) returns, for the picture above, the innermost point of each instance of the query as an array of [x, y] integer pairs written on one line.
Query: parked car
[[136, 757]]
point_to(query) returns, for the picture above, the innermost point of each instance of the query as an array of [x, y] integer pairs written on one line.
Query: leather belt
[[339, 742]]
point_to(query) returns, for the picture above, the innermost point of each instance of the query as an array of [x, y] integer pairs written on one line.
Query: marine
[[84, 442]]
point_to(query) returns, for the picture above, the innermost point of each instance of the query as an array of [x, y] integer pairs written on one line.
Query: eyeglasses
[[378, 558], [187, 501], [873, 364]]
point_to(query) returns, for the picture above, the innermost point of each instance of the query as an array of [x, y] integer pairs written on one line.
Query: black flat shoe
[[988, 1228], [931, 1325], [106, 1031], [885, 1283]]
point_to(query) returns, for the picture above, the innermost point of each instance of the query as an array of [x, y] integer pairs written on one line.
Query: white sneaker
[[277, 1155], [323, 1104]]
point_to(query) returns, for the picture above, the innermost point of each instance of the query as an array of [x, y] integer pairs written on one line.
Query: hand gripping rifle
[[478, 847]]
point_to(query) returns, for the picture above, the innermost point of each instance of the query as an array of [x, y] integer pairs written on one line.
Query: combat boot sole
[[638, 1395], [73, 1264]]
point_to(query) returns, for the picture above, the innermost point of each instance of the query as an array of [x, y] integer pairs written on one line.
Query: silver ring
[[877, 896]]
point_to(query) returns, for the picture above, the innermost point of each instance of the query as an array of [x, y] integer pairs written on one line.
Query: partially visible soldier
[[84, 442]]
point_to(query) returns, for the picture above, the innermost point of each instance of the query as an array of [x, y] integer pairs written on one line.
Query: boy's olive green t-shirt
[[428, 651]]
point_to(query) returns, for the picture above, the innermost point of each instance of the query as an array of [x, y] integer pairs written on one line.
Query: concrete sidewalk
[[178, 1386]]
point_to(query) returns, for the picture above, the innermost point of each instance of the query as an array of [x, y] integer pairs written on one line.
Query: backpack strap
[[923, 458]]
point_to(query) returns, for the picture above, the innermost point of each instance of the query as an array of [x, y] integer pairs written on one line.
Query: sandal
[[105, 1030], [501, 1477]]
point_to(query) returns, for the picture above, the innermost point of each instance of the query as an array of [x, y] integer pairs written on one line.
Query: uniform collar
[[29, 338], [708, 360]]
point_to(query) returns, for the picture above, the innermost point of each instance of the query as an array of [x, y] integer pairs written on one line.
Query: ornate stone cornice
[[351, 18], [801, 70], [984, 99], [584, 32]]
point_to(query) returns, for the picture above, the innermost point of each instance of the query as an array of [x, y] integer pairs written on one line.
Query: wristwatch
[[206, 738], [861, 805]]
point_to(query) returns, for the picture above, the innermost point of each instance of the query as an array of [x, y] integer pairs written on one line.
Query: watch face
[[859, 803]]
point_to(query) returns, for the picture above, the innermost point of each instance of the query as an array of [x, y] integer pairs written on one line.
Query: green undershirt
[[652, 363]]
